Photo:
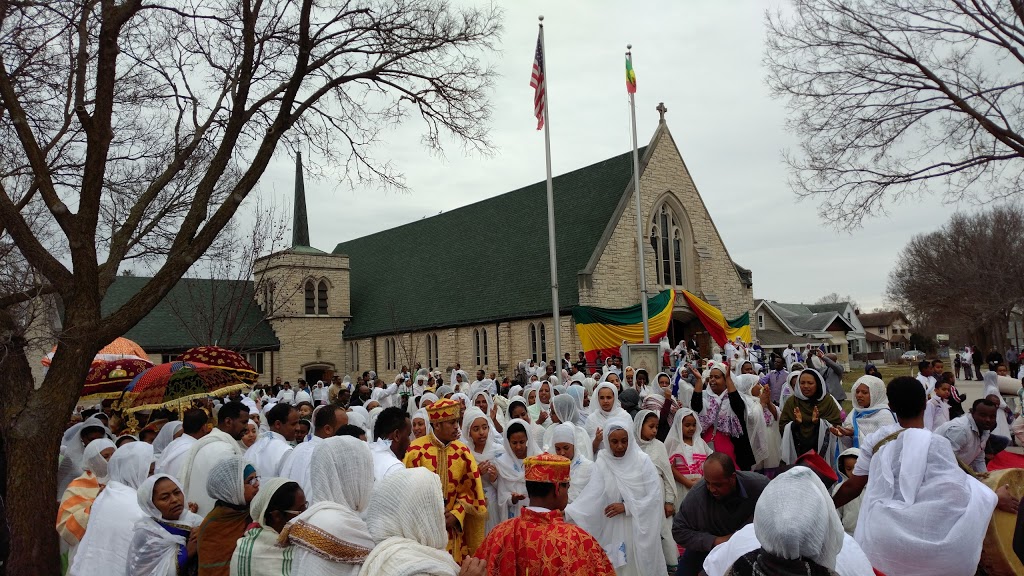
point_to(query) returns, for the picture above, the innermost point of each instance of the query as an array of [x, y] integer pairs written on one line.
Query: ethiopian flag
[[715, 323], [604, 329], [630, 78]]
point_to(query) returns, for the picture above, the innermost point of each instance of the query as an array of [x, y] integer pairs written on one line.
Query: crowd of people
[[742, 463]]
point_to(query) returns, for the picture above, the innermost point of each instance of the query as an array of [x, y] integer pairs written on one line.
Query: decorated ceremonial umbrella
[[223, 359], [107, 378], [119, 349], [174, 383]]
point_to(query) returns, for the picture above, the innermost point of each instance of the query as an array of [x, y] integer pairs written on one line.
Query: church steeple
[[300, 222]]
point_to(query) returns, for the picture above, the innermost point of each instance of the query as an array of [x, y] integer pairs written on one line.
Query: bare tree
[[142, 127], [897, 98], [218, 294], [966, 277], [835, 298]]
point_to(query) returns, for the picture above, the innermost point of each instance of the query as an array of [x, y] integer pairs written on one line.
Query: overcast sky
[[703, 58]]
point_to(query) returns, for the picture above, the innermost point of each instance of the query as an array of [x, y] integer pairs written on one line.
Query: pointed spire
[[300, 223]]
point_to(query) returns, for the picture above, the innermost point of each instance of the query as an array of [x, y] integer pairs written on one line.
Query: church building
[[472, 285]]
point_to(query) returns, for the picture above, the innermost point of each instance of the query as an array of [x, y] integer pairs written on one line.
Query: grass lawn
[[889, 371]]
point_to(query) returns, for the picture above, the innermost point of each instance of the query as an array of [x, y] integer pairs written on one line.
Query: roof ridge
[[490, 198]]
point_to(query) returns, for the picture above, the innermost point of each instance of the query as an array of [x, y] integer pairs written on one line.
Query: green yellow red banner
[[604, 329], [715, 323]]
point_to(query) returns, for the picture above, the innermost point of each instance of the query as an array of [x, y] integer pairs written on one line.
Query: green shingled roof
[[216, 312], [484, 262]]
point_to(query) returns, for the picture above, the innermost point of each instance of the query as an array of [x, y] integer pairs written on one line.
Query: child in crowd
[[645, 427], [936, 411], [956, 399], [687, 451], [848, 513]]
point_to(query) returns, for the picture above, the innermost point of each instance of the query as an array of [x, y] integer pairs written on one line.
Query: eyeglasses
[[254, 481]]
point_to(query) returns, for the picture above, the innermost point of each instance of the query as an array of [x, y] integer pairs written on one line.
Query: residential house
[[779, 325], [857, 338], [886, 330]]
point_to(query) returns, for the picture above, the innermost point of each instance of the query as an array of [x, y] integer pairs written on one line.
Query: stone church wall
[[707, 266]]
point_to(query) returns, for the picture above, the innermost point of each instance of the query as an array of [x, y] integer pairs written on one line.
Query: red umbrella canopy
[[107, 378], [166, 385], [222, 358]]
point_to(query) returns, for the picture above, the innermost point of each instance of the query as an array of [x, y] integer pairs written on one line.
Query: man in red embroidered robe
[[539, 542]]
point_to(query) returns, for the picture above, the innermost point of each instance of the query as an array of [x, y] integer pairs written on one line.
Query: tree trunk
[[32, 422]]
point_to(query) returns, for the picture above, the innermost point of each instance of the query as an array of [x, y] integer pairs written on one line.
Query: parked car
[[913, 356]]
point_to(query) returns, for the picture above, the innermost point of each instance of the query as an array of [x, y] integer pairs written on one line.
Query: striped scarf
[[258, 554]]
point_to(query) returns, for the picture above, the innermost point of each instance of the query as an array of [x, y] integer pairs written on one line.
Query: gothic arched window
[[310, 294], [543, 344], [321, 298], [533, 342], [667, 241]]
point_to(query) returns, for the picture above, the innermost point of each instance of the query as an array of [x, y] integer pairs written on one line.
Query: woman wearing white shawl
[[683, 389], [165, 436], [482, 400], [655, 450], [513, 412], [686, 459], [578, 393], [563, 409], [485, 461], [797, 527], [424, 418], [920, 514], [406, 521], [865, 420], [330, 537], [158, 547], [540, 411], [764, 431], [104, 549], [581, 465], [1004, 413], [628, 486], [72, 446], [511, 470], [258, 553], [599, 415], [75, 506], [732, 422]]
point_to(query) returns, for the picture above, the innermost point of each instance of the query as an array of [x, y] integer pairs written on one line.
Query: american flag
[[537, 82]]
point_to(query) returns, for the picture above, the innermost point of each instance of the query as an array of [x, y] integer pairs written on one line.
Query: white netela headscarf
[[632, 480], [598, 417], [93, 460], [920, 514], [865, 421], [331, 534], [406, 520], [795, 518], [154, 550]]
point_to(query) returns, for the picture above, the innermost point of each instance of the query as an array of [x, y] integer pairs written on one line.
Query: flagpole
[[639, 217], [551, 210]]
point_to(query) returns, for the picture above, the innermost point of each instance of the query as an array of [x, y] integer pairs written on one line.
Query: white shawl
[[512, 472], [173, 456], [268, 453], [599, 418], [297, 464], [202, 457], [406, 521], [341, 482], [920, 514], [154, 550], [633, 481]]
